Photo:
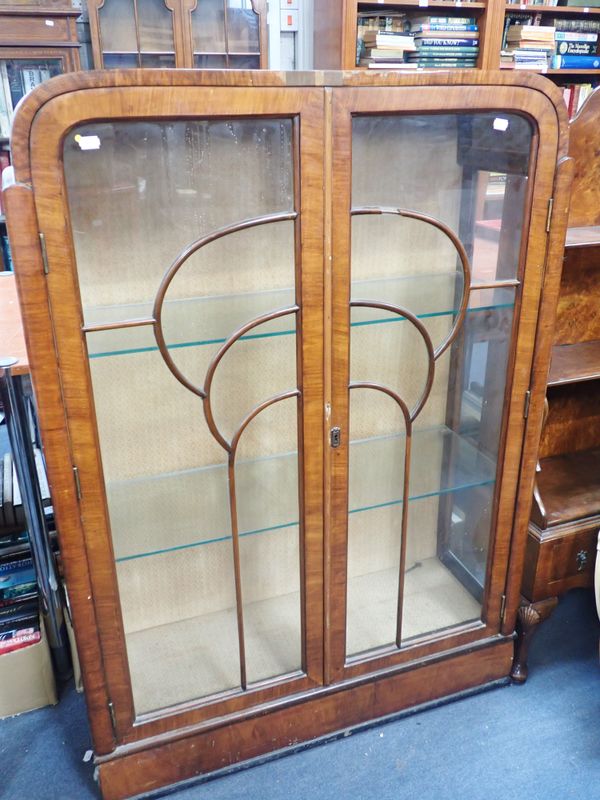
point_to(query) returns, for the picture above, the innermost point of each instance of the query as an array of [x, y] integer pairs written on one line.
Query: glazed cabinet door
[[438, 251], [188, 274], [135, 33]]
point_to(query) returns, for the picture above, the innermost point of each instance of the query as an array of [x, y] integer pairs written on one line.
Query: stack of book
[[575, 95], [528, 47], [444, 42], [577, 46], [387, 49], [19, 611]]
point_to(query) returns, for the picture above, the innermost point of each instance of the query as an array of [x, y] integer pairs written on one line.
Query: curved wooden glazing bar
[[432, 356], [156, 321]]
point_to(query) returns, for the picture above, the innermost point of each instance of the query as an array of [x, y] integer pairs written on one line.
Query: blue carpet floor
[[540, 741]]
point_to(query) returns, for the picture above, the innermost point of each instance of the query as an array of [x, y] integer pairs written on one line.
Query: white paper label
[[88, 142], [586, 10], [423, 3], [500, 124], [50, 23]]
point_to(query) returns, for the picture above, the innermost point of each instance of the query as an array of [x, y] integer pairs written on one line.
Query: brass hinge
[[502, 608], [549, 217], [44, 254], [526, 403], [113, 719], [77, 482]]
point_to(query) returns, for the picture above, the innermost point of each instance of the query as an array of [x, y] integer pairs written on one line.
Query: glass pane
[[210, 62], [24, 74], [140, 193], [120, 60], [156, 26], [418, 548], [208, 27], [465, 168], [117, 26], [244, 62], [242, 27], [157, 60]]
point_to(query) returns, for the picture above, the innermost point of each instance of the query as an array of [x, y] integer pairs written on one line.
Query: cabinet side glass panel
[[188, 227], [433, 292]]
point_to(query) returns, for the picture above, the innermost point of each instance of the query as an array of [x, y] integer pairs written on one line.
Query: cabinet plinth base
[[160, 762]]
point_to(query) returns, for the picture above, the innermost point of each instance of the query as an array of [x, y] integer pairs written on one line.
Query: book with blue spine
[[575, 62]]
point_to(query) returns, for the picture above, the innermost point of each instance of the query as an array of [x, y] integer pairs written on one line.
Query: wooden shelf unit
[[336, 28], [565, 517]]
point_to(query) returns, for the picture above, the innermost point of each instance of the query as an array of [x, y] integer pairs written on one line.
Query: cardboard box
[[26, 679]]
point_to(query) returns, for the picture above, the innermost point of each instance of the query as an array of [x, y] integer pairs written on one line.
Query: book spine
[[444, 28], [575, 36], [576, 62], [19, 642], [12, 566], [576, 48], [446, 42]]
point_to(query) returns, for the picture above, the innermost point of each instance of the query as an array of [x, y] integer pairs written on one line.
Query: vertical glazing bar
[[237, 571], [226, 32], [299, 375], [137, 33], [404, 530], [42, 556]]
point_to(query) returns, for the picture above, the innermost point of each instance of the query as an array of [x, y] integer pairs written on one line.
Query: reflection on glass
[[226, 34], [449, 178], [140, 193], [156, 26], [242, 27], [117, 24], [208, 27], [136, 34], [417, 564], [24, 74]]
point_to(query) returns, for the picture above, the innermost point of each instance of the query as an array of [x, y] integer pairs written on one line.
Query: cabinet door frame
[[87, 522], [516, 456]]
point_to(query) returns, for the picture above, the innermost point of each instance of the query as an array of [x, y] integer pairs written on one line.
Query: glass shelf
[[165, 513], [210, 320]]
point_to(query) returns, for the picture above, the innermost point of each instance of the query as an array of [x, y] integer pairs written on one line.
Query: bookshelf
[[336, 29], [565, 518]]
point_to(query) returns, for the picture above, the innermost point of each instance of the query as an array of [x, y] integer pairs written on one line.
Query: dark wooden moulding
[[139, 754], [565, 518]]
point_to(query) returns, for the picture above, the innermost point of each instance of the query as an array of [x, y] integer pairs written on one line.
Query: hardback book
[[19, 642], [449, 28], [575, 36], [576, 48], [430, 42], [576, 62]]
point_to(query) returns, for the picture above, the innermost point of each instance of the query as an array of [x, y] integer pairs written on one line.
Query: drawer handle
[[582, 560]]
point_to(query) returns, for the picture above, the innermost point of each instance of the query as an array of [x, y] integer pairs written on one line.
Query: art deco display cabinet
[[290, 391]]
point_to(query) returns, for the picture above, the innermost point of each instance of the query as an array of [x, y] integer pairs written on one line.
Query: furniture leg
[[529, 617]]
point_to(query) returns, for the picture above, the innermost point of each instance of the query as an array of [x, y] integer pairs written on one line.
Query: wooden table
[[18, 419], [12, 339]]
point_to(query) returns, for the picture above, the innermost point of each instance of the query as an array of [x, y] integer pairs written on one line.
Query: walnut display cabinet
[[209, 34], [290, 395]]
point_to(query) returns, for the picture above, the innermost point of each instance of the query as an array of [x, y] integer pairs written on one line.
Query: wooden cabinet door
[[183, 228], [439, 200]]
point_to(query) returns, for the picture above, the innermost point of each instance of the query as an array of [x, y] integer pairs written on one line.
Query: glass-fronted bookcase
[[292, 418], [209, 34]]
